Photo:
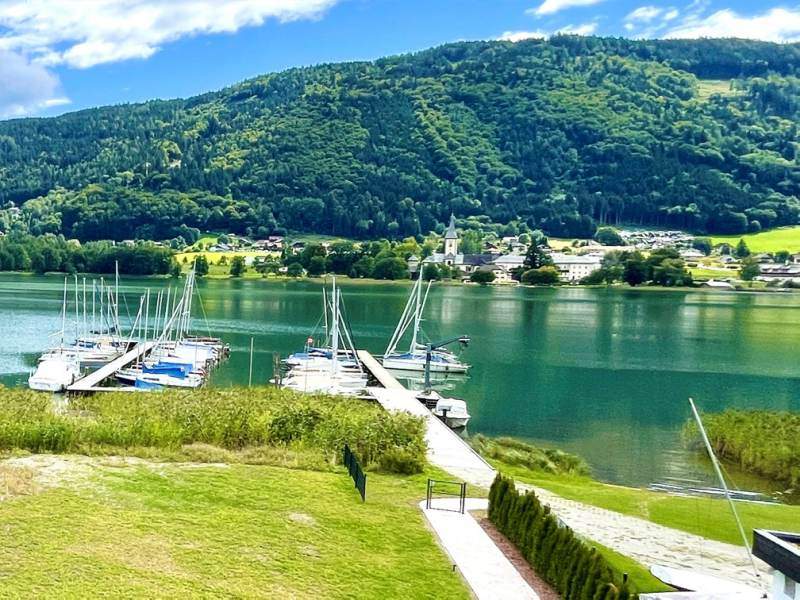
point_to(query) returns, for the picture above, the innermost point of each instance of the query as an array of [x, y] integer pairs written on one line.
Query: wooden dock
[[446, 449], [91, 382]]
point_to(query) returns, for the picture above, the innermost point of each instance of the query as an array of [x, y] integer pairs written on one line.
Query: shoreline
[[346, 280]]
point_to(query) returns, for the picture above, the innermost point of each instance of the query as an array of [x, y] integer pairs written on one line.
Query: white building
[[572, 268]]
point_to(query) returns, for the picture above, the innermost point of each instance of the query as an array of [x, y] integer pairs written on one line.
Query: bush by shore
[[250, 425], [762, 442]]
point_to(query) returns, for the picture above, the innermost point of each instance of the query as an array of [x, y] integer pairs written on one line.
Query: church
[[465, 263]]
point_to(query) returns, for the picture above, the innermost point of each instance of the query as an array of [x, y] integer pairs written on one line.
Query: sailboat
[[703, 584], [333, 370], [58, 368], [178, 359], [441, 360]]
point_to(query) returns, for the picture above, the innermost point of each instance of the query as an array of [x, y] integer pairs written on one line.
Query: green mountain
[[560, 135]]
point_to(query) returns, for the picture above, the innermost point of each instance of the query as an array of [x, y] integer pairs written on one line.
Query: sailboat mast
[[94, 289], [417, 315], [718, 470], [64, 313], [85, 332], [77, 314], [335, 330]]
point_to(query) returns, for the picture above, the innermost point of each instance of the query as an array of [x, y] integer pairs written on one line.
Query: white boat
[[453, 412], [55, 374], [191, 380], [415, 361], [441, 361], [328, 370]]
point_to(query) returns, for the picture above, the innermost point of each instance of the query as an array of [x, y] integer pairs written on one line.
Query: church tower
[[451, 238]]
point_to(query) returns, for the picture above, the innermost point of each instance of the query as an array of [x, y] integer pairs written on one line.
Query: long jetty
[[446, 449], [91, 382]]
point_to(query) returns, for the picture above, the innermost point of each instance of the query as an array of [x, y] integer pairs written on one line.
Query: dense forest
[[560, 135]]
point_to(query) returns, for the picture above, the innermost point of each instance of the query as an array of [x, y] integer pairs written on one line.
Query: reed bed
[[521, 454], [248, 422], [763, 442]]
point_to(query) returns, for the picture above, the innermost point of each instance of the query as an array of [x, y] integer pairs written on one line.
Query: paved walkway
[[490, 575], [644, 541]]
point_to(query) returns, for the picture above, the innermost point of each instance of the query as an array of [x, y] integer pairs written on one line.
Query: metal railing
[[440, 488], [356, 472]]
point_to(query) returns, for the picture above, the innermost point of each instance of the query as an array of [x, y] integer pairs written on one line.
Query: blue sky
[[62, 55]]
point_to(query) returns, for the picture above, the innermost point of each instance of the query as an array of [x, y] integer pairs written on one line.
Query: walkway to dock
[[446, 449], [484, 566], [644, 541], [91, 382]]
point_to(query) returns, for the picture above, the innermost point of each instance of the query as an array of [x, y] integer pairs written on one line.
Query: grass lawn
[[639, 575], [774, 240], [147, 530], [708, 517]]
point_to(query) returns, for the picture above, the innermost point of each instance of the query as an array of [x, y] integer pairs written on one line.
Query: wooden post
[[250, 375]]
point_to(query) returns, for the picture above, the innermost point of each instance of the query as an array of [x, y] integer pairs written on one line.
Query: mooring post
[[250, 373]]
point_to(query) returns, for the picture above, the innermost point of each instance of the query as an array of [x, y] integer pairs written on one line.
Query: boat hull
[[414, 364]]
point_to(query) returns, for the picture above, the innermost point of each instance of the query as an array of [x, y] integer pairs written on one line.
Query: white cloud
[[777, 25], [82, 34], [549, 7], [644, 14], [583, 29], [518, 36], [671, 14], [26, 88]]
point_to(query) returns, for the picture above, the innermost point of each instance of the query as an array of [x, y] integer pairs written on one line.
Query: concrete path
[[644, 541], [489, 574], [446, 449]]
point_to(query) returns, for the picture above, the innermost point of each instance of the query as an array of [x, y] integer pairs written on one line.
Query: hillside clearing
[[774, 240]]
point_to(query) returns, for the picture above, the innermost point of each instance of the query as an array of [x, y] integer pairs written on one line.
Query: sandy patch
[[302, 519]]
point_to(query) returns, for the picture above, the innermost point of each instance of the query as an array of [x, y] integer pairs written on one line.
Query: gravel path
[[650, 543]]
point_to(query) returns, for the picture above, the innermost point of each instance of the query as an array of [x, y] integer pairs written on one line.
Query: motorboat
[[55, 374], [453, 412]]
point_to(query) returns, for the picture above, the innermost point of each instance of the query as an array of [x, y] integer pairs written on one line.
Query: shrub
[[232, 419], [546, 275], [518, 453], [558, 556]]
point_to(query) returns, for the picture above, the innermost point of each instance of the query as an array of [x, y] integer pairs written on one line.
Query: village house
[[572, 267]]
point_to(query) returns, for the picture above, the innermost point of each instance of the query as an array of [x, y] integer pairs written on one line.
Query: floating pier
[[91, 382], [446, 449]]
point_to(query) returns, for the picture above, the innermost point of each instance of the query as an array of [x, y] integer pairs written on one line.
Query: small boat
[[453, 412], [55, 373], [441, 362]]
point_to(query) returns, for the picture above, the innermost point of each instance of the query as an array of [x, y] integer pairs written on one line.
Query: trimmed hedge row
[[576, 571]]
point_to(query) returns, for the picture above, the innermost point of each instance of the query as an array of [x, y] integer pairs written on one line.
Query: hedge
[[575, 570]]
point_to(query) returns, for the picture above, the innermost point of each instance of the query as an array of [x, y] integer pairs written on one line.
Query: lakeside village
[[667, 258]]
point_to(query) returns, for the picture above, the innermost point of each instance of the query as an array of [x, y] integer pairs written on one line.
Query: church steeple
[[451, 238]]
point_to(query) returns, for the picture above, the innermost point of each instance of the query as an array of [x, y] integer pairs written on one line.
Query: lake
[[602, 373]]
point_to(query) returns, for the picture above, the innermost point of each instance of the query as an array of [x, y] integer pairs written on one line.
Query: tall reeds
[[232, 419]]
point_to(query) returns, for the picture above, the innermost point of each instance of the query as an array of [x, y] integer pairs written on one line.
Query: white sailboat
[[441, 360], [331, 371], [58, 368]]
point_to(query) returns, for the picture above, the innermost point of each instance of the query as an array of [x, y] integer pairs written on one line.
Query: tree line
[[52, 253], [562, 135]]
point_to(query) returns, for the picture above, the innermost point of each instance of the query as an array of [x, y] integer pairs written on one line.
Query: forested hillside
[[560, 135]]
